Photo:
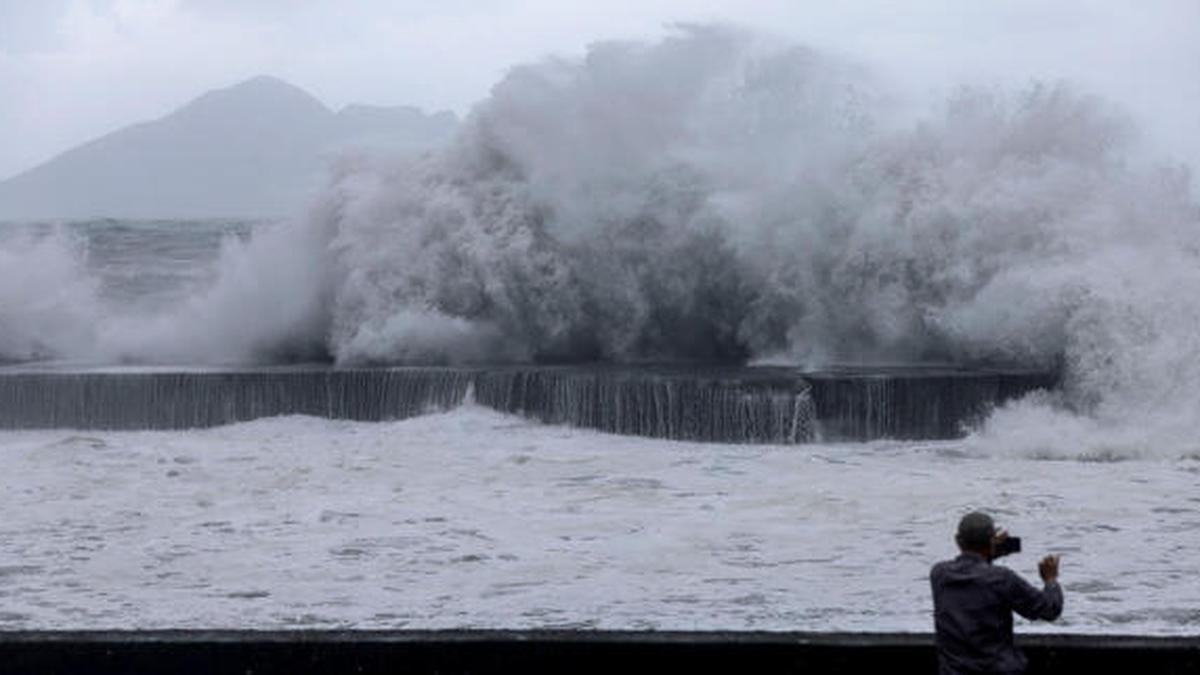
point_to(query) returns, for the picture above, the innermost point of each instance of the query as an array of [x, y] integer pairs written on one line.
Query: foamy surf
[[472, 518]]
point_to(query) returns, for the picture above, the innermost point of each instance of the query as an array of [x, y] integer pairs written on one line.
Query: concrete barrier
[[519, 652], [699, 403]]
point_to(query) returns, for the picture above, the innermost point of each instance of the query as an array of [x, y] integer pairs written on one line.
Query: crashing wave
[[718, 197]]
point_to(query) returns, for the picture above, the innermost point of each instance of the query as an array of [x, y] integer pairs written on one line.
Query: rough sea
[[714, 197], [470, 518]]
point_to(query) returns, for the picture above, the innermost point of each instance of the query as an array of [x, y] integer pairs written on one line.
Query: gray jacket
[[973, 602]]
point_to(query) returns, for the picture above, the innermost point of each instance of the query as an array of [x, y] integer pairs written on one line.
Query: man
[[973, 602]]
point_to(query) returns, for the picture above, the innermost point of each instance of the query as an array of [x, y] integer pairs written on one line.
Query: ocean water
[[714, 198], [471, 518], [137, 266]]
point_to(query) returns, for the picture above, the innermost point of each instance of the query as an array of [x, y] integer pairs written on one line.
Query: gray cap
[[975, 530]]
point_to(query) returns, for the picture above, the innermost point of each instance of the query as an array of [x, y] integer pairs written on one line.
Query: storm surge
[[718, 197]]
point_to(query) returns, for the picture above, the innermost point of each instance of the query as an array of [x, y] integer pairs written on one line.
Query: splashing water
[[717, 197], [46, 297]]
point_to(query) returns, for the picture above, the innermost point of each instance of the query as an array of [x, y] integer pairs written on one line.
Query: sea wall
[[735, 405], [937, 403], [185, 400], [739, 405]]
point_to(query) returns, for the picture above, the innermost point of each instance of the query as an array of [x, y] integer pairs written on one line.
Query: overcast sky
[[71, 70]]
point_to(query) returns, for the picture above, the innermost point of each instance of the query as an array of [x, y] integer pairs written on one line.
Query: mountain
[[258, 148]]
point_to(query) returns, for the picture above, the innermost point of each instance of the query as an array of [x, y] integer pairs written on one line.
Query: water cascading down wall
[[732, 405]]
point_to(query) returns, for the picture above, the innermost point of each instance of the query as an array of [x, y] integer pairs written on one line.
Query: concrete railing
[[523, 652]]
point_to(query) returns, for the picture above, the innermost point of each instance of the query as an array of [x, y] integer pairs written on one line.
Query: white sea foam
[[267, 304], [47, 300], [475, 519]]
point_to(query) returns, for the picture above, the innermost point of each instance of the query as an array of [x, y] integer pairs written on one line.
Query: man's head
[[976, 532]]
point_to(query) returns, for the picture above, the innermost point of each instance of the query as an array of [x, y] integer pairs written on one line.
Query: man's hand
[[1048, 568], [998, 540]]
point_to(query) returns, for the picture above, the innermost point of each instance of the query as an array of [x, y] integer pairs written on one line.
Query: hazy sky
[[71, 70]]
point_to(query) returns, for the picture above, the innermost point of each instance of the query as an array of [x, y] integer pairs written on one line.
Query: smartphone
[[1008, 546]]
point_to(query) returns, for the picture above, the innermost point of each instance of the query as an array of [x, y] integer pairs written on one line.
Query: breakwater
[[743, 405], [926, 403]]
